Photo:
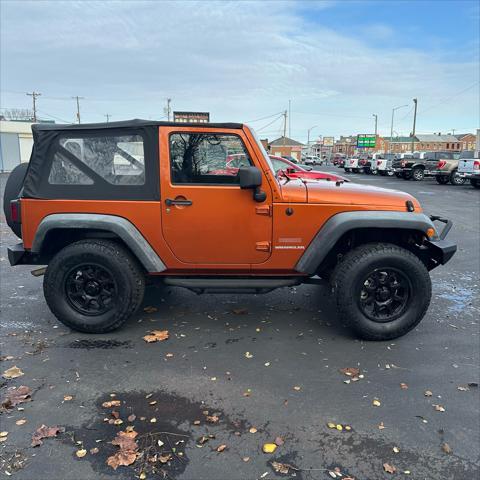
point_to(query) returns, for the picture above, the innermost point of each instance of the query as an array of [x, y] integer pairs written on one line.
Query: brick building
[[345, 145], [285, 146], [467, 141], [438, 142]]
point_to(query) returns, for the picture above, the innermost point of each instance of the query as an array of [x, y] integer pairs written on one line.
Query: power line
[[270, 123], [53, 116], [447, 99], [264, 118]]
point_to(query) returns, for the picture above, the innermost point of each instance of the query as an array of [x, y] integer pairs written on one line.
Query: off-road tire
[[126, 272], [455, 179], [12, 190], [442, 179], [418, 174], [474, 182], [347, 281], [407, 175]]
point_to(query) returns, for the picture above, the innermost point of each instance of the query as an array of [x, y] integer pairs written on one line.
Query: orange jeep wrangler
[[105, 206]]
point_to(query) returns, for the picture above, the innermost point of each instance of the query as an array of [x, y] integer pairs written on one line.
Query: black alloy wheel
[[91, 289], [384, 294]]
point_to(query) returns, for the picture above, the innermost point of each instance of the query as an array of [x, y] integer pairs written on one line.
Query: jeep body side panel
[[110, 223], [341, 223]]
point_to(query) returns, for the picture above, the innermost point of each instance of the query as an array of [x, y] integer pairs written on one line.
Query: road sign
[[328, 141], [366, 140]]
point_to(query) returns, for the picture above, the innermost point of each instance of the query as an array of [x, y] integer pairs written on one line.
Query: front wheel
[[93, 286], [407, 175], [455, 179], [382, 291]]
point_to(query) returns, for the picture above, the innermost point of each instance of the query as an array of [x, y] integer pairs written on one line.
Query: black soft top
[[46, 144], [136, 122]]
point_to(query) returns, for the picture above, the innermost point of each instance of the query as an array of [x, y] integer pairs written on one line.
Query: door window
[[204, 158]]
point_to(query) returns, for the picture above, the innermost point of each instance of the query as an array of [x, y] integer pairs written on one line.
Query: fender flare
[[122, 227], [335, 227]]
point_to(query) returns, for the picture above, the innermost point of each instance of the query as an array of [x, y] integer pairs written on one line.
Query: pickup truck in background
[[384, 163], [469, 167], [421, 165]]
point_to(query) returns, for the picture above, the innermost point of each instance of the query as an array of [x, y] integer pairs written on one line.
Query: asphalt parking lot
[[289, 384]]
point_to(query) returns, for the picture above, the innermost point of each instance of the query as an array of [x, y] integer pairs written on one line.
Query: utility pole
[[414, 124], [108, 117], [284, 126], [77, 98], [34, 96], [391, 127], [290, 118], [168, 108], [376, 121]]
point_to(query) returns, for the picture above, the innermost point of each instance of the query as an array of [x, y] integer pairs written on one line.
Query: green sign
[[366, 141]]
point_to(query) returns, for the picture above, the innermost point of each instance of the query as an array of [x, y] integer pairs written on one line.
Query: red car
[[293, 170]]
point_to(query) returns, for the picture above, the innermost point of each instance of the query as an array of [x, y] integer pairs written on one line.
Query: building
[[16, 142], [191, 117], [398, 144], [345, 145], [437, 141], [285, 146], [467, 141]]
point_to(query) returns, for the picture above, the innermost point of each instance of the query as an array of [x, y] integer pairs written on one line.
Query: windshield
[[262, 149]]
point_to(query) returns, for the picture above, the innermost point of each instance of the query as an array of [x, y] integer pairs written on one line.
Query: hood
[[328, 192]]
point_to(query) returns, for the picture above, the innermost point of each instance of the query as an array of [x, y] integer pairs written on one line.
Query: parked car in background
[[292, 170], [312, 160], [469, 167], [384, 163], [422, 164], [446, 171], [356, 164]]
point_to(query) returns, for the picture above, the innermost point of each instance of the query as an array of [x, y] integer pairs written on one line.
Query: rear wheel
[[407, 175], [347, 170], [355, 170], [418, 174], [474, 182], [93, 286], [382, 291], [455, 179], [442, 179], [398, 174]]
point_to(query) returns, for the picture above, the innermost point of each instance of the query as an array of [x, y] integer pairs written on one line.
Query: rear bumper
[[17, 255], [469, 175]]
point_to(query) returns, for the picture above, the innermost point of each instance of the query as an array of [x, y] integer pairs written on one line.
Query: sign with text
[[366, 141], [328, 141]]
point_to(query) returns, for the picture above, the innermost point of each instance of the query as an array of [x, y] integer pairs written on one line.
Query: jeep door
[[206, 217]]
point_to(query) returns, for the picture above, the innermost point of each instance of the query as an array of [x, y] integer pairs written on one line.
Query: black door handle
[[185, 203]]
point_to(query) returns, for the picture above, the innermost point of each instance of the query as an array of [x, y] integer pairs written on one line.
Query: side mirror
[[250, 177]]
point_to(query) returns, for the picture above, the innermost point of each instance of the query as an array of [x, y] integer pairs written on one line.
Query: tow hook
[[38, 272]]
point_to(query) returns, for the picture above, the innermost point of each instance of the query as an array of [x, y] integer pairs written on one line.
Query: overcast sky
[[338, 62]]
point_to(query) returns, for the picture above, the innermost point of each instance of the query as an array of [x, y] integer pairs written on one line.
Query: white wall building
[[16, 142]]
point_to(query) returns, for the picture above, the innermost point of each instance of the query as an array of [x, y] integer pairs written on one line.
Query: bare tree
[[19, 114]]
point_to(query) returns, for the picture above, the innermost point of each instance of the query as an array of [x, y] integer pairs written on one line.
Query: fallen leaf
[[246, 459], [153, 420], [240, 311], [94, 451], [279, 441], [13, 372], [45, 432], [3, 434], [339, 427], [376, 403], [439, 408], [428, 393], [331, 425], [15, 396], [446, 448], [111, 403], [297, 388], [403, 386], [81, 453], [142, 476], [381, 426], [156, 336], [196, 422], [212, 418], [350, 371], [269, 447], [248, 355], [165, 457], [22, 421], [389, 468], [252, 430], [281, 467], [396, 449], [127, 452], [150, 309], [221, 448], [131, 418], [67, 398]]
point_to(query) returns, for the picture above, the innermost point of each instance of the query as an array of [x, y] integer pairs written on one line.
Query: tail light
[[379, 162], [476, 165], [441, 164], [15, 211]]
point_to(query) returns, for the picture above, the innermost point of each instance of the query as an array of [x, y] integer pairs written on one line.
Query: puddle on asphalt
[[88, 344], [167, 437]]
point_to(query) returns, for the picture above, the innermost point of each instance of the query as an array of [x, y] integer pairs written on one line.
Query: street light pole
[[308, 137], [376, 120], [391, 127], [414, 124]]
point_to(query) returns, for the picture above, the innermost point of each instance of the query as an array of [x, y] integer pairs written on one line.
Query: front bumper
[[442, 250], [17, 255]]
